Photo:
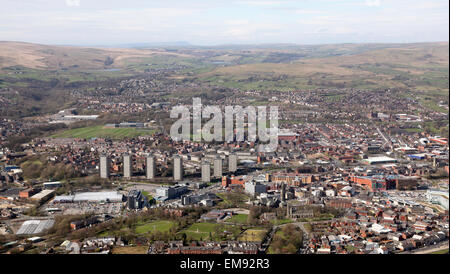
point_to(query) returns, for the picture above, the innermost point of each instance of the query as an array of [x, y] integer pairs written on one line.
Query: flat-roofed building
[[35, 226], [170, 192], [43, 196], [97, 197], [255, 188], [380, 160], [52, 185]]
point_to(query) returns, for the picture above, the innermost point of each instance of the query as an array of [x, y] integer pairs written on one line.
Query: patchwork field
[[102, 132]]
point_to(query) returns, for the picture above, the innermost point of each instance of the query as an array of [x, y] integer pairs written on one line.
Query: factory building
[[206, 172], [378, 160], [97, 197], [127, 166], [437, 196], [177, 168], [52, 185], [218, 172], [104, 167], [151, 167]]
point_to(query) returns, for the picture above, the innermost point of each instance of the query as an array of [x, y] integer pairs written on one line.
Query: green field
[[232, 199], [281, 221], [101, 132], [239, 218], [161, 226], [210, 231], [149, 197], [444, 251]]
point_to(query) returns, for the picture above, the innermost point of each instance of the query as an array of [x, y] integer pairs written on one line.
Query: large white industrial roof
[[380, 159], [35, 226], [98, 196], [112, 196]]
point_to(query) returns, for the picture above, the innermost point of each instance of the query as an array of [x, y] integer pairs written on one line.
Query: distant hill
[[38, 56], [421, 66]]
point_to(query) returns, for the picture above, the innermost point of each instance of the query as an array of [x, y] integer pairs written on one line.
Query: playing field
[[253, 235], [102, 132], [161, 226]]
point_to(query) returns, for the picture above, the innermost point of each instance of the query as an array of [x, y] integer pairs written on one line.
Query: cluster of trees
[[40, 168], [15, 142], [288, 241], [124, 227]]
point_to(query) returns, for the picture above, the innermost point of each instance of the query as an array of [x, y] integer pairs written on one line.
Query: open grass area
[[161, 226], [102, 132], [281, 221], [147, 194], [253, 235], [211, 231], [239, 218], [444, 251], [321, 217], [130, 250], [232, 199]]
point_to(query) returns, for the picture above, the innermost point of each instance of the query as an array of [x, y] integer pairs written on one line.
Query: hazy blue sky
[[210, 22]]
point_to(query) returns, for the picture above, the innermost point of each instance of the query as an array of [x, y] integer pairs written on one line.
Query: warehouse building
[[52, 185], [97, 197], [378, 160], [43, 196], [35, 226]]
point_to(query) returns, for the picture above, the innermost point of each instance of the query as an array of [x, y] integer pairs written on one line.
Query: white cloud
[[73, 3], [236, 22], [373, 3], [262, 2]]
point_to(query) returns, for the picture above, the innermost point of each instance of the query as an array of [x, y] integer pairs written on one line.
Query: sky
[[216, 22]]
